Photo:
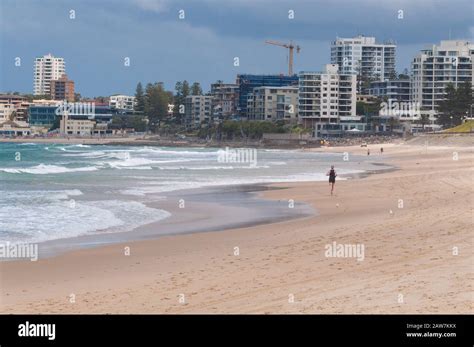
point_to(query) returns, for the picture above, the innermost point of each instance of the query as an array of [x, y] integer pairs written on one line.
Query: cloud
[[158, 6], [202, 46]]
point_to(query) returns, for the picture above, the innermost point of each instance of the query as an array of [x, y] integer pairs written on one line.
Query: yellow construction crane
[[290, 46]]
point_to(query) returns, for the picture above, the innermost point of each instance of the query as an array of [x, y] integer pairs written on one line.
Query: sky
[[202, 46]]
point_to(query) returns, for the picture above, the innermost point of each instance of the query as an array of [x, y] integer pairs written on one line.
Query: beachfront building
[[80, 127], [395, 96], [16, 104], [47, 69], [247, 83], [198, 110], [42, 113], [122, 102], [395, 90], [6, 111], [437, 66], [363, 56], [62, 89], [327, 100], [14, 128], [273, 103], [45, 115], [224, 100]]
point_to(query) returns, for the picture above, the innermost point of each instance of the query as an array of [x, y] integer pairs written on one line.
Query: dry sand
[[409, 265]]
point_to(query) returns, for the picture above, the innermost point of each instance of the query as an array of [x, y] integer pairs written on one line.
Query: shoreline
[[227, 213], [409, 252], [153, 141], [202, 199]]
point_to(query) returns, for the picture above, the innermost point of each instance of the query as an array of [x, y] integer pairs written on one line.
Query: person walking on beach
[[332, 177], [368, 151], [381, 150]]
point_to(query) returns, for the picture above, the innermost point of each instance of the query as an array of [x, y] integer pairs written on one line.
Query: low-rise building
[[45, 115], [14, 128], [82, 127], [17, 103], [6, 111], [122, 102]]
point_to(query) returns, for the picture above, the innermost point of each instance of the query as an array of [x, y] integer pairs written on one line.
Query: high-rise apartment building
[[434, 68], [326, 97], [364, 57], [46, 69]]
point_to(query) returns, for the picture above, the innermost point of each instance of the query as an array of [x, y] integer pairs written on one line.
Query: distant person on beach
[[381, 150], [368, 151], [332, 177]]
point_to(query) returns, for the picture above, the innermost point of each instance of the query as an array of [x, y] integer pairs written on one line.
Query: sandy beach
[[418, 256]]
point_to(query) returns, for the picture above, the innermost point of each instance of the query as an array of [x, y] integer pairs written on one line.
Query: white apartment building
[[46, 69], [434, 68], [327, 97], [198, 110], [273, 103], [362, 56], [122, 102]]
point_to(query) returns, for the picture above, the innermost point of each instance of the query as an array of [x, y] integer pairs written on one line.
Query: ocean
[[56, 191]]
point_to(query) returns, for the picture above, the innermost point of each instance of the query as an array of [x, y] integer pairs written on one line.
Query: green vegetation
[[156, 104], [248, 130], [465, 127], [137, 122], [370, 109], [140, 99], [196, 89], [182, 91], [457, 104]]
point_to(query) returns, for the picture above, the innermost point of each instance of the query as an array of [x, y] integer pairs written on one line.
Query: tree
[[139, 98], [12, 116], [136, 122], [393, 122], [186, 90], [424, 119], [464, 98], [456, 104], [403, 76], [392, 75], [101, 99], [182, 91], [41, 97], [156, 104], [196, 89]]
